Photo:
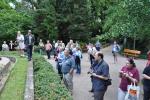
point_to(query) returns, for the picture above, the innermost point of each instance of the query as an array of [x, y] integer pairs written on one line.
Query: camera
[[89, 72]]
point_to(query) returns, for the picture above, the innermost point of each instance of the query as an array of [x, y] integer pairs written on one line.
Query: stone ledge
[[29, 90], [5, 72]]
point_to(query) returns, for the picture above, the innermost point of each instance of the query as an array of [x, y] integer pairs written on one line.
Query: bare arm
[[146, 77], [71, 71], [100, 76], [132, 79]]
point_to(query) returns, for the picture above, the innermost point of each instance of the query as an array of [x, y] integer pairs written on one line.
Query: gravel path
[[82, 83]]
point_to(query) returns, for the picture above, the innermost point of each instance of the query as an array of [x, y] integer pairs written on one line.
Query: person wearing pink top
[[48, 48], [128, 74]]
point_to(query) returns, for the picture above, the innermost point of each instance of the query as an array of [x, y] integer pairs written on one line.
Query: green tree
[[11, 21], [127, 19]]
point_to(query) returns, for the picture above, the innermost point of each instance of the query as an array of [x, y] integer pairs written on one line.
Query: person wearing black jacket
[[146, 83], [29, 43]]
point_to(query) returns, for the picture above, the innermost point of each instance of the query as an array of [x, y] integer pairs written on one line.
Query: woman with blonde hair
[[21, 45]]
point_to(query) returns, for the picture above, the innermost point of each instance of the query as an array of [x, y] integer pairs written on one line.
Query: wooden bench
[[132, 53]]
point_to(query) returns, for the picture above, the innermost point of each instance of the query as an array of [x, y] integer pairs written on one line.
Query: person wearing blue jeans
[[29, 42]]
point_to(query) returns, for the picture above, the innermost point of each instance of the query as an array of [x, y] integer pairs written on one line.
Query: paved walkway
[[82, 83]]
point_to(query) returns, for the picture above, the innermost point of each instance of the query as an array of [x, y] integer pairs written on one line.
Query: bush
[[47, 83]]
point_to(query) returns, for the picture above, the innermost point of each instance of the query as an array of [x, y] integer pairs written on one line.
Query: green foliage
[[3, 5], [11, 21], [73, 19], [127, 18], [78, 19], [45, 19], [47, 83]]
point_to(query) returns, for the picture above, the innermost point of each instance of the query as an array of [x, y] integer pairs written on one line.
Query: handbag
[[133, 92], [107, 82]]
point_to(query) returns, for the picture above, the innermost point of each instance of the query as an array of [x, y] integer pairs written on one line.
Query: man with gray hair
[[68, 66]]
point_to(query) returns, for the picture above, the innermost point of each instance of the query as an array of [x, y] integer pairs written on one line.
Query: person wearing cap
[[29, 42]]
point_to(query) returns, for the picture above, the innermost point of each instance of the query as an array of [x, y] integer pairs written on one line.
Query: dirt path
[[82, 83]]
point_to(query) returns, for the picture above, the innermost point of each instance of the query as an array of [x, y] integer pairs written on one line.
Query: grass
[[15, 85]]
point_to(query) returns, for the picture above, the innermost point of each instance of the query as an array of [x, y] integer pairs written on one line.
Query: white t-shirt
[[5, 47], [20, 40]]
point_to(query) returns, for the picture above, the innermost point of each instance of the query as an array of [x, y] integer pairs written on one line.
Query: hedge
[[47, 84]]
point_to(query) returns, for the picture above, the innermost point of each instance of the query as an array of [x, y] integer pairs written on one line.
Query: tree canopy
[[78, 19]]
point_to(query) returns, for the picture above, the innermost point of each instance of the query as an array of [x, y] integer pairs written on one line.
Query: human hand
[[90, 72], [94, 74], [126, 75], [122, 73]]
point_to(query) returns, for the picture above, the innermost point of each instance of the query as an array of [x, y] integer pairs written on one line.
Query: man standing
[[29, 42], [48, 48], [99, 73], [68, 66], [98, 45]]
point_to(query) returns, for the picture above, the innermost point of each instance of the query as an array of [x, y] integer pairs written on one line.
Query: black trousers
[[99, 95], [59, 70], [48, 54], [146, 95], [91, 59], [29, 51]]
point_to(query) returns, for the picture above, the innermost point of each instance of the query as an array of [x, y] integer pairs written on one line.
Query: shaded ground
[[82, 83]]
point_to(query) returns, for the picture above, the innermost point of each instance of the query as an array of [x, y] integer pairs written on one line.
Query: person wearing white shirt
[[21, 45], [5, 46]]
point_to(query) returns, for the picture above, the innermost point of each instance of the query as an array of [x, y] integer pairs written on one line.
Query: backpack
[[117, 48]]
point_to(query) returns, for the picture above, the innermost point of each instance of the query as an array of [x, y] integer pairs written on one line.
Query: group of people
[[21, 44], [128, 74], [68, 58], [10, 46]]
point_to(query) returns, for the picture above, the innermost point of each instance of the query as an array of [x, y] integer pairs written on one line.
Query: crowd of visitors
[[69, 58]]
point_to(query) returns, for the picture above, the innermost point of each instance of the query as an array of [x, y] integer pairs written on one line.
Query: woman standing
[[21, 45], [128, 74], [115, 50]]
